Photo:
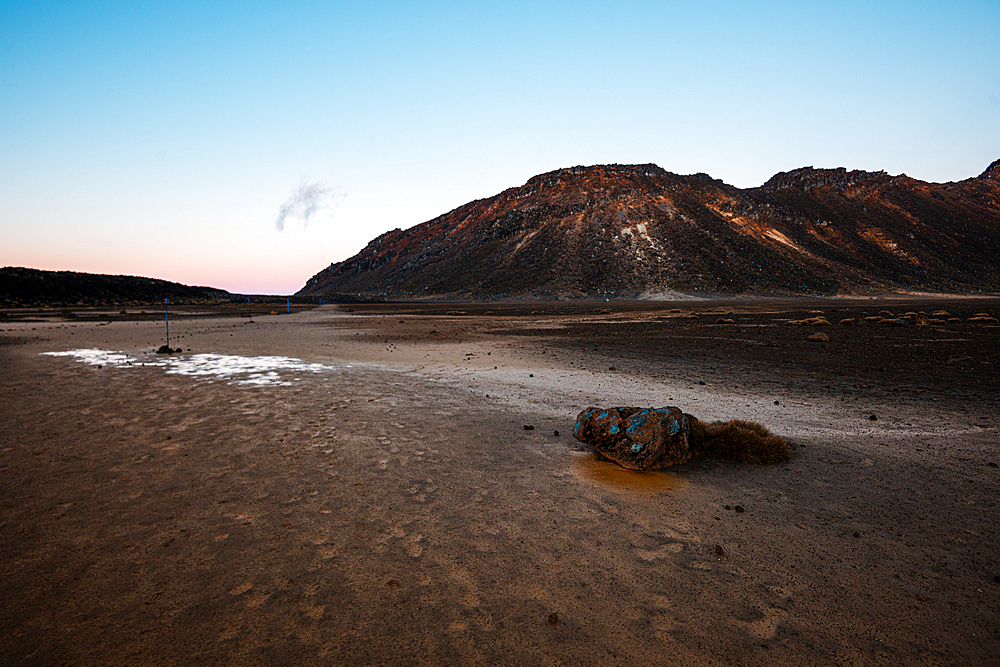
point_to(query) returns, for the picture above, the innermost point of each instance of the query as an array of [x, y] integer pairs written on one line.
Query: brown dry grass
[[738, 440]]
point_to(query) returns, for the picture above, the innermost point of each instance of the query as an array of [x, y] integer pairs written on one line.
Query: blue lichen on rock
[[636, 438]]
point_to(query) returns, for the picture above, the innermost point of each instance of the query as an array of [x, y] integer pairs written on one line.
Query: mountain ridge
[[20, 286], [633, 230]]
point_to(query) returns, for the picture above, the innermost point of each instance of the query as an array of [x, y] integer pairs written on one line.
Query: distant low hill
[[638, 230], [31, 287]]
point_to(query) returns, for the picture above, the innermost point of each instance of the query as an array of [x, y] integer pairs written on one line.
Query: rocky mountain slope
[[636, 230]]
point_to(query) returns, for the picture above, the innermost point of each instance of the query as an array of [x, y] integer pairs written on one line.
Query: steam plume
[[303, 203]]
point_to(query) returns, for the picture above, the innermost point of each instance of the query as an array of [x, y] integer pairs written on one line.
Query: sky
[[249, 145]]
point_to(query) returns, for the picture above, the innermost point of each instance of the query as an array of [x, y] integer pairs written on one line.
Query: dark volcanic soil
[[387, 506]]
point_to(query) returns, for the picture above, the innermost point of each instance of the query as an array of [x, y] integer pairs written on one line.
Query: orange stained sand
[[612, 476]]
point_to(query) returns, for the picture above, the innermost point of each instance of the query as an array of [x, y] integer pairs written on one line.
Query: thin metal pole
[[166, 319], [288, 305]]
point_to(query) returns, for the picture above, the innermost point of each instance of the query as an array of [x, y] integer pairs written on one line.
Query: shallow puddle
[[239, 369], [612, 476]]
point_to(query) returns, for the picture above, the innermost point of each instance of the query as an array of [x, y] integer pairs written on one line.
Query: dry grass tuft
[[809, 321], [738, 440]]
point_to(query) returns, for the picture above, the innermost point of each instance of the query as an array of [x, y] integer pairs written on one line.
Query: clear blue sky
[[164, 139]]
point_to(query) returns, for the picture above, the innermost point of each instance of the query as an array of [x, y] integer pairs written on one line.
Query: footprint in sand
[[663, 551], [413, 547], [764, 624], [241, 589], [315, 612]]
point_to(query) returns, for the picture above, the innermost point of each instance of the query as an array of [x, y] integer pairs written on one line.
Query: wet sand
[[387, 505]]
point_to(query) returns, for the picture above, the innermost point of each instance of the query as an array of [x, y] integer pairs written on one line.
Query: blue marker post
[[288, 305], [166, 319], [249, 312]]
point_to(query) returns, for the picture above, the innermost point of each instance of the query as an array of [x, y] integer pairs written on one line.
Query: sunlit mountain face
[[638, 230]]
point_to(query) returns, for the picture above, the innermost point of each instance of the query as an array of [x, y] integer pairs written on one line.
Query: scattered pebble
[[992, 464], [872, 418], [529, 427], [857, 534], [612, 368], [719, 551], [553, 618], [531, 375], [739, 509], [555, 433], [777, 402], [922, 598]]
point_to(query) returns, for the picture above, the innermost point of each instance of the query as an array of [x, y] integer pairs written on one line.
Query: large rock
[[636, 438]]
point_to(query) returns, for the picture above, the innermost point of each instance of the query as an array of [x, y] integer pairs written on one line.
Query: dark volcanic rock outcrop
[[630, 230]]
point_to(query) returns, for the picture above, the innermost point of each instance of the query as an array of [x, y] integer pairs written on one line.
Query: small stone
[[996, 579], [553, 618], [922, 598], [777, 402], [531, 375], [872, 418], [555, 433], [728, 507], [992, 464], [612, 368], [739, 509], [701, 382], [818, 337], [529, 427], [719, 550]]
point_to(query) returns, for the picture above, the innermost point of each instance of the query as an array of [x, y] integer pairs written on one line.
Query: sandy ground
[[379, 501]]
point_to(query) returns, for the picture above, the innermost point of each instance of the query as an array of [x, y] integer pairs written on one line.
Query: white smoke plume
[[303, 203]]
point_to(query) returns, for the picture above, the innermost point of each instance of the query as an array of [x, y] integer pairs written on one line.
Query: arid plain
[[357, 485]]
